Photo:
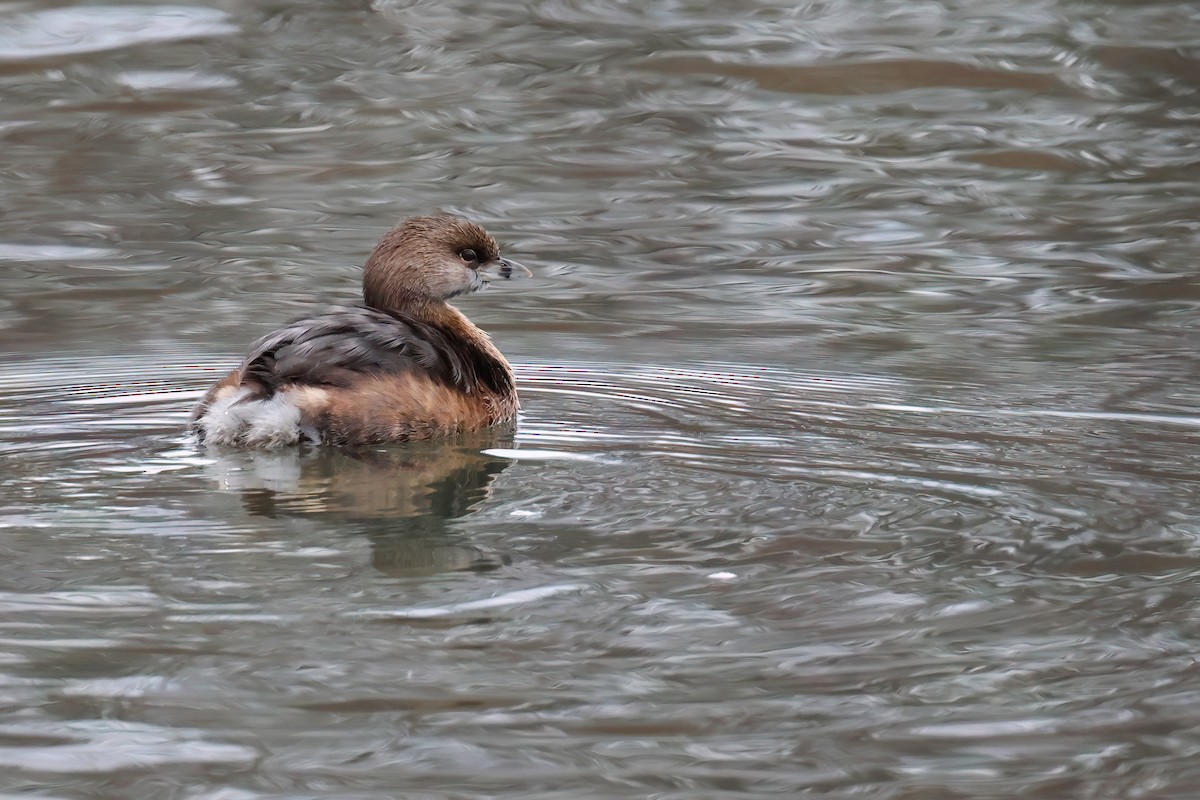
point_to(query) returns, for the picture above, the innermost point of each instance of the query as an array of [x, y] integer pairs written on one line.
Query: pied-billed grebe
[[405, 366]]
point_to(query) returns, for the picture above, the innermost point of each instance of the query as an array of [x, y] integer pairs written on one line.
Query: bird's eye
[[468, 255]]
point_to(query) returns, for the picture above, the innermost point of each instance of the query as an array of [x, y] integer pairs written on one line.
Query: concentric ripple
[[779, 451]]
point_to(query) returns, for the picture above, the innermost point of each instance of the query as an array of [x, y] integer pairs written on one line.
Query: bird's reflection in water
[[403, 497]]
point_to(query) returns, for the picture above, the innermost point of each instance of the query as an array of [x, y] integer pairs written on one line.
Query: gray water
[[860, 436]]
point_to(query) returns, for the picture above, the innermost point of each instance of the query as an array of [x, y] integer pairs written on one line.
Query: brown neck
[[383, 295]]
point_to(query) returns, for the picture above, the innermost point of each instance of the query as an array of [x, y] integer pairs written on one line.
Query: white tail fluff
[[233, 420]]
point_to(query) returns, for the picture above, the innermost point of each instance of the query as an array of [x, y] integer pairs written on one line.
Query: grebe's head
[[431, 259]]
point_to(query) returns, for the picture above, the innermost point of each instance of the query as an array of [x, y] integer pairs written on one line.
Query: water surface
[[860, 443]]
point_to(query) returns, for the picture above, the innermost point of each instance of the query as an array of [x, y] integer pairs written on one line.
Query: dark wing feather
[[336, 348]]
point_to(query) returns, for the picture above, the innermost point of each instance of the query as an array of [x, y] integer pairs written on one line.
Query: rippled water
[[860, 444]]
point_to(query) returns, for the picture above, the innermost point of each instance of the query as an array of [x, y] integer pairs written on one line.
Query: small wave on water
[[58, 32]]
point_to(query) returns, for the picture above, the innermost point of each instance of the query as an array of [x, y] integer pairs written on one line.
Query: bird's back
[[359, 376]]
